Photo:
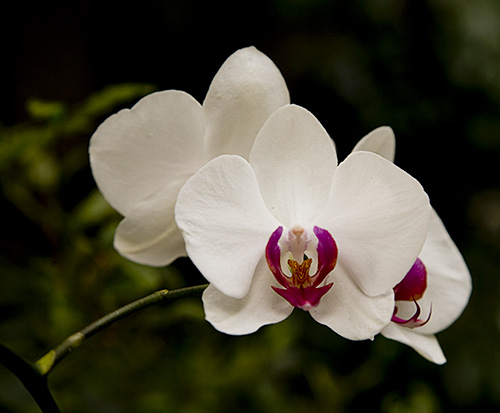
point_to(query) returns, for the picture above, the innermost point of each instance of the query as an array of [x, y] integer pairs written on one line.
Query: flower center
[[301, 289], [300, 272], [412, 288]]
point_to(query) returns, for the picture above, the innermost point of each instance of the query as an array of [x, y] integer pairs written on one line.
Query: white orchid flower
[[141, 157], [358, 226], [439, 284]]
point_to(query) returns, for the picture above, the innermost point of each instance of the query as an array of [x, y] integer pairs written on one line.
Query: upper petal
[[138, 151], [225, 223], [148, 234], [294, 160], [378, 215], [261, 306], [449, 283], [243, 94], [351, 313], [426, 345], [380, 141]]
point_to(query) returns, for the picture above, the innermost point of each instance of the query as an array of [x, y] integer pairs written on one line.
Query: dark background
[[430, 69]]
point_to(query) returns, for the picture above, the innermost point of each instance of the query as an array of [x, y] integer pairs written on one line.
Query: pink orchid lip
[[413, 321], [412, 288], [302, 290], [414, 284]]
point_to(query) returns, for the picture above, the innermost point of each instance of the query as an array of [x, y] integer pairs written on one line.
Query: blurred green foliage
[[430, 69]]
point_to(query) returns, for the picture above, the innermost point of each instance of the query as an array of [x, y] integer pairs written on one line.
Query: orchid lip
[[412, 288], [414, 284], [413, 321], [301, 289]]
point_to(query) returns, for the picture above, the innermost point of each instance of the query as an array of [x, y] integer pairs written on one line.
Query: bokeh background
[[428, 68]]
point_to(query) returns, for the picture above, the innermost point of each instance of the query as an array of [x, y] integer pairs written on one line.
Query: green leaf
[[39, 109]]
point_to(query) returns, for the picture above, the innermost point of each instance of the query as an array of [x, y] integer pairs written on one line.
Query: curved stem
[[47, 362], [30, 376]]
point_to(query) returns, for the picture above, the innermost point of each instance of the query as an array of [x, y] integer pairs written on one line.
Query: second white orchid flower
[[141, 157], [438, 286]]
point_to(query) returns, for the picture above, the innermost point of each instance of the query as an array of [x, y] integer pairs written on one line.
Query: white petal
[[138, 151], [294, 160], [225, 223], [378, 215], [351, 313], [261, 306], [425, 345], [148, 234], [380, 141], [449, 282], [243, 94]]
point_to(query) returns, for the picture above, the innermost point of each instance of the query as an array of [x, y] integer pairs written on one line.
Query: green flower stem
[[34, 375], [30, 376], [46, 363]]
